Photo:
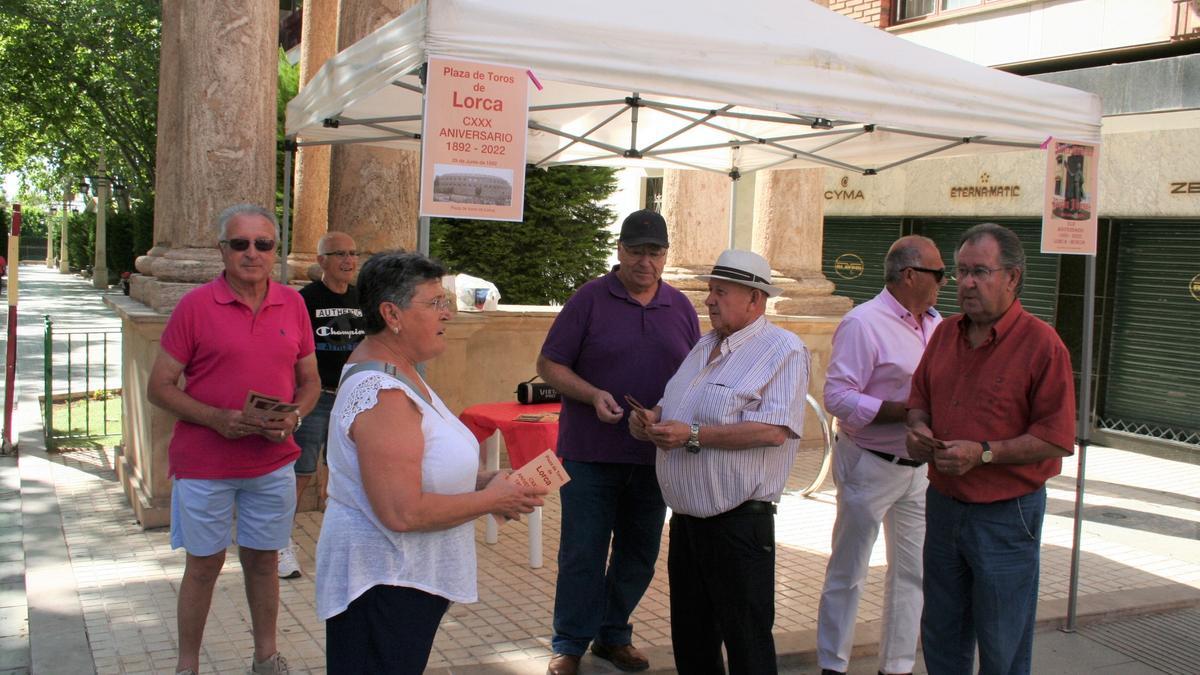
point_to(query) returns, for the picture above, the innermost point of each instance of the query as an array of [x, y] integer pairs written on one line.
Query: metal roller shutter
[[1153, 380], [1040, 294], [852, 254]]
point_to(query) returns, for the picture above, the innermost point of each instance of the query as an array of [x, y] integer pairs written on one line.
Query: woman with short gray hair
[[397, 544]]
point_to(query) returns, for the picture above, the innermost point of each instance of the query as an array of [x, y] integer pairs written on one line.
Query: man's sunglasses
[[938, 274], [262, 245]]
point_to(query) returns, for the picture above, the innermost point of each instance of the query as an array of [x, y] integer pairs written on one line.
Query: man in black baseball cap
[[616, 342], [644, 227]]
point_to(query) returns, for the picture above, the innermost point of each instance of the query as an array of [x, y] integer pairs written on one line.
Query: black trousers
[[387, 629], [722, 579]]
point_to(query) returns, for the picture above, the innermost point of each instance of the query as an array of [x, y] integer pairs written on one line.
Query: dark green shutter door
[[853, 252], [1153, 378], [1040, 294]]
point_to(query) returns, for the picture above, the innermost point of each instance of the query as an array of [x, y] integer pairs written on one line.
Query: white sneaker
[[275, 665], [289, 567]]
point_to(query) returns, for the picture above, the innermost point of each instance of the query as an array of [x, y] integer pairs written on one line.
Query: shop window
[[919, 9], [654, 189]]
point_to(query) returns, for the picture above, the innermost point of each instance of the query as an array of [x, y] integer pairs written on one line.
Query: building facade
[[1142, 57]]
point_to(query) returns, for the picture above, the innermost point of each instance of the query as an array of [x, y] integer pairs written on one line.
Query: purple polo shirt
[[622, 347]]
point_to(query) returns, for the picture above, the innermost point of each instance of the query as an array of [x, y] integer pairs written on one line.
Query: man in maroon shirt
[[992, 410]]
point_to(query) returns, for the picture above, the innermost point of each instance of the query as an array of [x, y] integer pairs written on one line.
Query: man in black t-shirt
[[337, 329]]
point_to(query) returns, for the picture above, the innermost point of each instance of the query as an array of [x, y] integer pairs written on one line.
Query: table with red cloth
[[524, 441]]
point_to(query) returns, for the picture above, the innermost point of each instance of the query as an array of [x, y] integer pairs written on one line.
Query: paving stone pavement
[[1141, 552]]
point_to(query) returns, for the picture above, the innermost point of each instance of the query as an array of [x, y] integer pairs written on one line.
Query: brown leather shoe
[[624, 657], [563, 664]]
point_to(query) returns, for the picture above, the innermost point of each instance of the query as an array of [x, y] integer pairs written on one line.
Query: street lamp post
[[68, 197], [50, 236], [100, 268]]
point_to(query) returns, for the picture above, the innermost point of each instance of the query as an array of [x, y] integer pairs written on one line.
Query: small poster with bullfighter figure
[[1070, 214]]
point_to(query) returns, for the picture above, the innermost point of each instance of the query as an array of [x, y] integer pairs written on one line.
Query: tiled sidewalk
[[1141, 550], [127, 577]]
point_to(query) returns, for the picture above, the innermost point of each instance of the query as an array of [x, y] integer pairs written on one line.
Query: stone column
[[696, 208], [373, 192], [216, 147], [318, 42], [217, 119], [789, 220]]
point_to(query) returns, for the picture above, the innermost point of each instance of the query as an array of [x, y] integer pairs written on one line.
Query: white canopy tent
[[729, 87], [674, 84]]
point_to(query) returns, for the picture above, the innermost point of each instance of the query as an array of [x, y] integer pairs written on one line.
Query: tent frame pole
[[422, 221], [289, 151], [1084, 432], [733, 179]]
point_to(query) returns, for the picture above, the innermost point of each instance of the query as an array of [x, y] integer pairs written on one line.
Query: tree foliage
[[79, 77], [289, 86], [561, 243]]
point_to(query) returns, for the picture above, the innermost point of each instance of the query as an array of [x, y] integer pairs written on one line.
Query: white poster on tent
[[473, 143], [1070, 214]]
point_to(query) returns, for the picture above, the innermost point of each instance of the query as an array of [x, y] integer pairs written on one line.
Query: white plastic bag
[[475, 294]]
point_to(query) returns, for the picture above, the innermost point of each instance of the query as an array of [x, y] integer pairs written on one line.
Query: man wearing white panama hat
[[727, 430]]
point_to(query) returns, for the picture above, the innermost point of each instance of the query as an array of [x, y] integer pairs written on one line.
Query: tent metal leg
[[1084, 431], [289, 151], [423, 235]]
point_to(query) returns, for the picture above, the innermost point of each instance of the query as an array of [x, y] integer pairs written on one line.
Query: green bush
[[33, 224], [129, 236], [562, 242]]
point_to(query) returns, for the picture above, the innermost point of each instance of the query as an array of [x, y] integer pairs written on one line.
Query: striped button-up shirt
[[760, 375]]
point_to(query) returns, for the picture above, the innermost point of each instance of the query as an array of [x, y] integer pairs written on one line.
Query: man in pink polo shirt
[[876, 348], [237, 333]]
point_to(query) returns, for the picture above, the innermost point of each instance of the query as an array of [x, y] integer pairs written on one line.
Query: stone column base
[[161, 296], [804, 294], [142, 466], [148, 511], [168, 273], [303, 267]]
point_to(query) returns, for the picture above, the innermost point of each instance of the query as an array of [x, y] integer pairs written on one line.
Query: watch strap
[[693, 441]]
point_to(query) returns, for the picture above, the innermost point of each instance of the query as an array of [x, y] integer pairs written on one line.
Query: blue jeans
[[981, 583], [621, 502], [312, 434]]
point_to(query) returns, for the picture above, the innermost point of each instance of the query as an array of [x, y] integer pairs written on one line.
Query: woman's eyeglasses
[[239, 244], [440, 304]]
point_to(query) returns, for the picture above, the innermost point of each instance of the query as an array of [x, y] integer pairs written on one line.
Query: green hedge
[[129, 235]]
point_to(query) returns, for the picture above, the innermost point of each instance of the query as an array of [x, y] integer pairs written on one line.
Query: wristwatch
[[986, 457], [693, 442], [299, 421]]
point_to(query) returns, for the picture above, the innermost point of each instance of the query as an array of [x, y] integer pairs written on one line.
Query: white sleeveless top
[[355, 550]]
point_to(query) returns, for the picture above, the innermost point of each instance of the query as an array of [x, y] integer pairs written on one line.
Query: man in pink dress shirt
[[876, 348]]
